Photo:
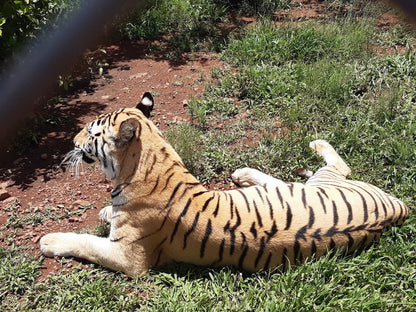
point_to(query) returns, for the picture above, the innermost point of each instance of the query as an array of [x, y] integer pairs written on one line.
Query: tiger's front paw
[[57, 244], [106, 213], [246, 177]]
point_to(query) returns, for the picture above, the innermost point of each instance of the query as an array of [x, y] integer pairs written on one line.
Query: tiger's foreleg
[[331, 157], [249, 176], [100, 250], [106, 213]]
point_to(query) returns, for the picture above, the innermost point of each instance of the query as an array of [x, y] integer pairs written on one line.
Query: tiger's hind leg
[[331, 157], [248, 176]]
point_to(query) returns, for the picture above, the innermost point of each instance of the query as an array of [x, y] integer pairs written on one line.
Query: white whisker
[[73, 160]]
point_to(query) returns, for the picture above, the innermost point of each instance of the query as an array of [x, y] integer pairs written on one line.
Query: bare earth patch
[[35, 185]]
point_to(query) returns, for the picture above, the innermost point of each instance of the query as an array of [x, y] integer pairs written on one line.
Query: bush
[[22, 20]]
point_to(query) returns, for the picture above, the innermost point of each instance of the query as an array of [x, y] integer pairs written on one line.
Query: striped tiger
[[160, 213]]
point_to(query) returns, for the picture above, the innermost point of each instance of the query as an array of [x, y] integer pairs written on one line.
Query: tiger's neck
[[153, 173]]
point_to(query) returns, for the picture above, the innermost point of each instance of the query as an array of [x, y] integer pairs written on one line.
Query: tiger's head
[[106, 138]]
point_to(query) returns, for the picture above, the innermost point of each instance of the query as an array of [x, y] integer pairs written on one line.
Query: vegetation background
[[283, 82]]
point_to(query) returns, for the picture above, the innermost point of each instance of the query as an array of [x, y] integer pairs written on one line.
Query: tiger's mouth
[[87, 159]]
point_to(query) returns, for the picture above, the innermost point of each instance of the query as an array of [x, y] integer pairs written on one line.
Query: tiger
[[161, 213]]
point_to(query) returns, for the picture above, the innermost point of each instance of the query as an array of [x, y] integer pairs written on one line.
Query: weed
[[18, 272]]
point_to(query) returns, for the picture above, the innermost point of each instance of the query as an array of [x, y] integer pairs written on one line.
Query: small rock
[[185, 103], [44, 156], [4, 195]]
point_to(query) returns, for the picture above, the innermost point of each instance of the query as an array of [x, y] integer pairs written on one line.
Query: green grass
[[279, 88]]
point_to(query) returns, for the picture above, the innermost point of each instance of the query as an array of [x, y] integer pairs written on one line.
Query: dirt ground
[[34, 182]]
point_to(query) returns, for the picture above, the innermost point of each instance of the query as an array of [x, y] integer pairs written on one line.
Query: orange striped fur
[[161, 213]]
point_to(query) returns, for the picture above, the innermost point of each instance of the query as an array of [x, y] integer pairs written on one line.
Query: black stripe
[[167, 181], [149, 126], [365, 208], [296, 249], [199, 194], [313, 248], [288, 217], [150, 168], [321, 199], [218, 206], [350, 241], [158, 257], [118, 189], [105, 165], [178, 221], [261, 196], [267, 264], [115, 118], [332, 231], [112, 166], [232, 233], [323, 192], [304, 197], [227, 226], [311, 217], [96, 147], [243, 256], [208, 232], [317, 234], [139, 132], [245, 199], [369, 194], [260, 253], [190, 230], [291, 186], [401, 212], [257, 214], [384, 208], [115, 193], [335, 211], [272, 232], [270, 207], [300, 234], [279, 195], [154, 187], [173, 195], [221, 251], [348, 205], [231, 206], [284, 259], [392, 205], [207, 202], [332, 244], [253, 230]]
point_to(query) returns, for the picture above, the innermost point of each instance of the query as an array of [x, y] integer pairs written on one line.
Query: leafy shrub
[[21, 20]]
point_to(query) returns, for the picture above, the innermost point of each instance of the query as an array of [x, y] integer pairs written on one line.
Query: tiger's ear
[[146, 104], [126, 132]]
